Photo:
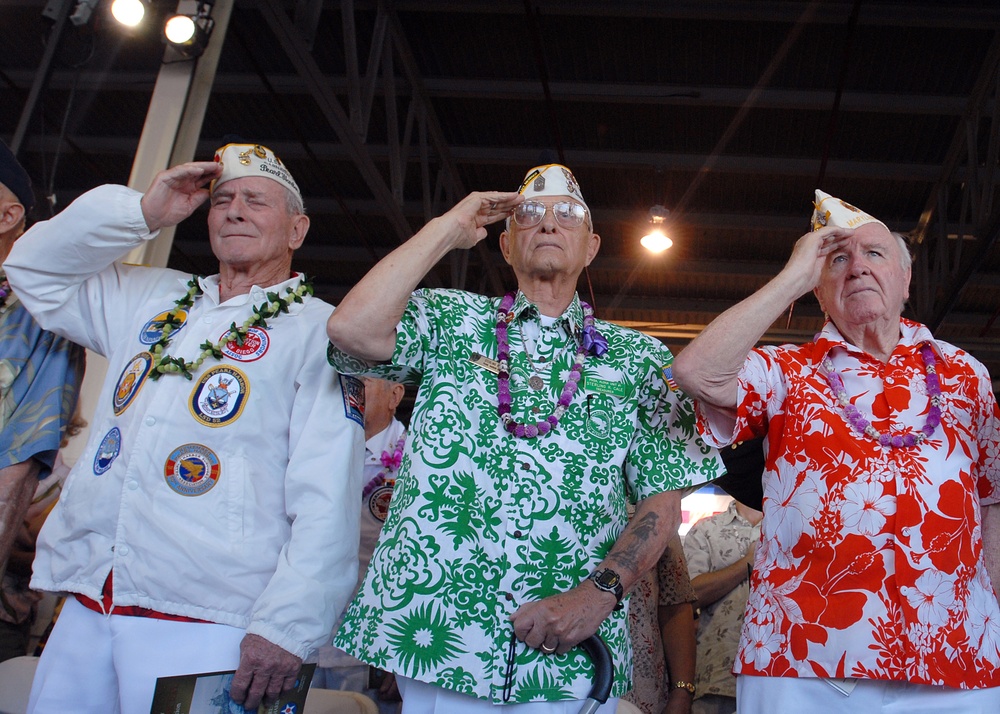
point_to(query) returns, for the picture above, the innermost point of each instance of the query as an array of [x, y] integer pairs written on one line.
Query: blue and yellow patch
[[192, 469], [219, 396], [152, 331], [130, 381]]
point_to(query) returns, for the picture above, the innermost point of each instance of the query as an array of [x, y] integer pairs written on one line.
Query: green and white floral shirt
[[482, 522]]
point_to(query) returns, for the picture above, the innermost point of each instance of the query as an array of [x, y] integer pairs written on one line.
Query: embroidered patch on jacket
[[219, 396], [107, 452], [130, 382], [378, 501], [152, 331], [255, 344], [354, 398], [192, 469]]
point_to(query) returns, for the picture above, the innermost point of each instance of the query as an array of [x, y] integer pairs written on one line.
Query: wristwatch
[[609, 581], [680, 684]]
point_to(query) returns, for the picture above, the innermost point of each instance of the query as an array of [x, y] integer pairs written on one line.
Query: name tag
[[604, 386], [490, 365]]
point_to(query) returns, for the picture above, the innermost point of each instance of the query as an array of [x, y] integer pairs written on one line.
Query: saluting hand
[[176, 192], [810, 252], [469, 217]]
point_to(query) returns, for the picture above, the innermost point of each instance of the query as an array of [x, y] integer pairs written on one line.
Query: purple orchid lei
[[4, 292], [863, 426], [592, 342]]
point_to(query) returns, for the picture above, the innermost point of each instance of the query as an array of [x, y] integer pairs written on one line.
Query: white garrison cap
[[551, 180], [241, 160], [830, 211]]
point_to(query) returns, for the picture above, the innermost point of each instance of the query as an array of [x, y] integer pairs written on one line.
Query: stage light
[[189, 34], [180, 29], [656, 241], [128, 12]]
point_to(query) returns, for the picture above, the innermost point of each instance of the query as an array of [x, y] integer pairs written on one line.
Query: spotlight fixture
[[656, 241], [128, 12], [188, 34]]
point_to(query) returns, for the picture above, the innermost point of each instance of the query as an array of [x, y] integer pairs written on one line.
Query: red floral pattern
[[870, 563]]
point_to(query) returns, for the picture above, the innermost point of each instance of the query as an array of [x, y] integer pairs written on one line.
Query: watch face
[[607, 578]]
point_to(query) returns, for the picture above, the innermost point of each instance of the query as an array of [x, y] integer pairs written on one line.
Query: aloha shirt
[[482, 522], [712, 544], [40, 375], [870, 563]]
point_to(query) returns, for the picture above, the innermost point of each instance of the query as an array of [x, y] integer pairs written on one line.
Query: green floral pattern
[[481, 522]]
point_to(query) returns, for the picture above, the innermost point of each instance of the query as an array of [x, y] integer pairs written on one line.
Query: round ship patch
[[130, 382], [255, 344], [107, 452], [192, 469], [378, 501], [152, 331], [219, 396]]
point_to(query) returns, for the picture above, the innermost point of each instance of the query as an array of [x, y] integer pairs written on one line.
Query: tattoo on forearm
[[636, 539]]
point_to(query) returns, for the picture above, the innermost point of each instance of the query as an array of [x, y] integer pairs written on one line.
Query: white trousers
[[422, 698], [99, 664], [776, 695]]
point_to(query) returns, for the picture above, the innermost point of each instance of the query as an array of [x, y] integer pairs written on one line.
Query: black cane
[[604, 673]]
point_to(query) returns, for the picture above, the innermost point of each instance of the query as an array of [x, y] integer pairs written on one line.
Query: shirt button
[[207, 320], [150, 421], [526, 466], [133, 485], [535, 410], [123, 550], [508, 597], [517, 534]]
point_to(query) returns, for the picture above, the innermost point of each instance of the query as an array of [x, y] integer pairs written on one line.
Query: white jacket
[[272, 546]]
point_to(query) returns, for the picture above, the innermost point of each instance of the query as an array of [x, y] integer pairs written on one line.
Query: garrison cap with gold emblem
[[551, 180], [241, 160], [830, 211]]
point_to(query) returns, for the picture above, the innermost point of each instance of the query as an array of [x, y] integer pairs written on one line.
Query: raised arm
[[364, 324], [707, 369]]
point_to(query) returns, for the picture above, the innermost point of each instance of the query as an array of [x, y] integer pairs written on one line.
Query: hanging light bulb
[[128, 12], [656, 241]]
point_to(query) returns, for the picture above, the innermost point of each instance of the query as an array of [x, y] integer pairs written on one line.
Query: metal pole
[[41, 77]]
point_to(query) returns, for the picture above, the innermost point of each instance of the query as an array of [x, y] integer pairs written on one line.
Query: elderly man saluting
[[533, 424], [211, 523], [869, 591]]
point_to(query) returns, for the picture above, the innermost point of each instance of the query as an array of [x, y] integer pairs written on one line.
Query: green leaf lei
[[163, 363]]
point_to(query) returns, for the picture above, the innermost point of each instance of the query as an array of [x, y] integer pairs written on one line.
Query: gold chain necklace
[[163, 363]]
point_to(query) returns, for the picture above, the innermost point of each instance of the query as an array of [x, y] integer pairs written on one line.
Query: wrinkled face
[[868, 279], [249, 223], [549, 248]]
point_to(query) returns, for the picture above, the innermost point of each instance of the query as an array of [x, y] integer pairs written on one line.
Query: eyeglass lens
[[567, 213]]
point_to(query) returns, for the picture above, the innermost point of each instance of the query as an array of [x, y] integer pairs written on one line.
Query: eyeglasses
[[568, 214]]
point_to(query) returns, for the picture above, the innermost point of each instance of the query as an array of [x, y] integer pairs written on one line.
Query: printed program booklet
[[208, 693]]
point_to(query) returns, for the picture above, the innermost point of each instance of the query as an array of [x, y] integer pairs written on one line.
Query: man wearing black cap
[[40, 375], [211, 523]]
